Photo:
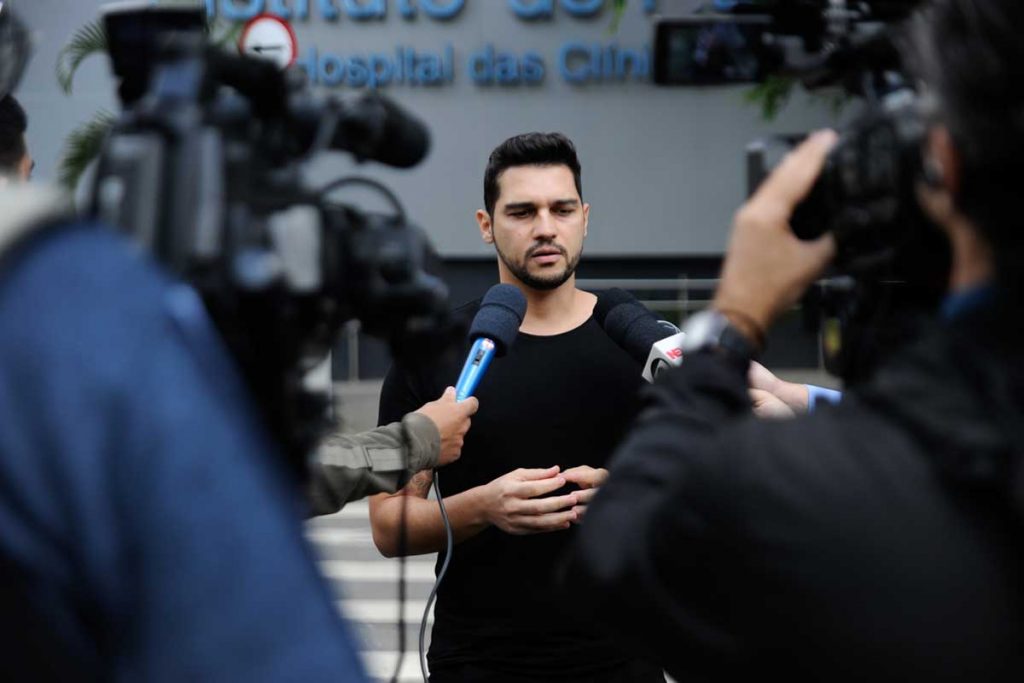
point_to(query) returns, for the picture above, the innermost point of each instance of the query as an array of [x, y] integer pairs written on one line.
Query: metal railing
[[683, 295]]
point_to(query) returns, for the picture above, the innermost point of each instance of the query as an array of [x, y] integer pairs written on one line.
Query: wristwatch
[[710, 330]]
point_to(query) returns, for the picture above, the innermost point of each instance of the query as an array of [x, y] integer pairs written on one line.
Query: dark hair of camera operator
[[880, 539], [15, 161]]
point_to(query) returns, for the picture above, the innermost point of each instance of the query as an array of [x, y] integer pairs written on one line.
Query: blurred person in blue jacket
[[149, 529]]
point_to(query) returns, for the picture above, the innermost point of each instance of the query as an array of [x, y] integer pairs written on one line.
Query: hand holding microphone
[[452, 419]]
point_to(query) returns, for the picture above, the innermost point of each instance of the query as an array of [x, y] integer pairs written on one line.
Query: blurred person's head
[[971, 57], [15, 161], [534, 213]]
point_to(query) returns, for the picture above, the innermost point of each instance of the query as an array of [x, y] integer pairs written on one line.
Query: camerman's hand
[[512, 505], [766, 267], [452, 420]]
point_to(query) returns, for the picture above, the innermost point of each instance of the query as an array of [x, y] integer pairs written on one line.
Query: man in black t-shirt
[[551, 412]]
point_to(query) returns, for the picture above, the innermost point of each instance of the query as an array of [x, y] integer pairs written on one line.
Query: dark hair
[[970, 54], [529, 149], [13, 125]]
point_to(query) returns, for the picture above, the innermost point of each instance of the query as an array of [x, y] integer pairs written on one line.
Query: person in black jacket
[[879, 539]]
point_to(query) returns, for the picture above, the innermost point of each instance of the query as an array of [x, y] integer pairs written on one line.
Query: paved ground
[[366, 587]]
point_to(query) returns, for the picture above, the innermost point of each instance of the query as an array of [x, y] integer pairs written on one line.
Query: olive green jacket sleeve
[[352, 466]]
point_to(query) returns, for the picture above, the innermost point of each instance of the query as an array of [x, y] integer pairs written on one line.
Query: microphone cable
[[403, 541], [449, 542]]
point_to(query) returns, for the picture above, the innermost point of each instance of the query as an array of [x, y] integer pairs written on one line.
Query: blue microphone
[[494, 328]]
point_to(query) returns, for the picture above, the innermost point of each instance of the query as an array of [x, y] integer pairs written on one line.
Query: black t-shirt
[[564, 400]]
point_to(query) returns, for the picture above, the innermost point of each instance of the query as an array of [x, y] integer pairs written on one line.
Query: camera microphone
[[494, 328], [374, 127], [654, 343]]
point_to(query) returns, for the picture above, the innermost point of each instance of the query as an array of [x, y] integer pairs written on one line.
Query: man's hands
[[452, 420], [589, 479], [773, 397], [767, 267], [512, 505]]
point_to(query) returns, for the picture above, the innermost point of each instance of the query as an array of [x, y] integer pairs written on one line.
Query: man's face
[[25, 167], [20, 172], [538, 226]]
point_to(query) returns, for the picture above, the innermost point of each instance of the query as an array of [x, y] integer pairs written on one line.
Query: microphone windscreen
[[634, 328], [406, 140], [500, 315], [609, 299]]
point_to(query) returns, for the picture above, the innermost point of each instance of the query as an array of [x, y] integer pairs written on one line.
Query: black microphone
[[651, 342], [493, 330], [376, 128], [370, 128]]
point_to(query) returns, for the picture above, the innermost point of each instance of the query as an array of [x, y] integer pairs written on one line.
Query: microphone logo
[[486, 346]]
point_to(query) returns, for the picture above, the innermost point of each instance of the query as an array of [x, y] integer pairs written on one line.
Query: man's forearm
[[423, 524], [352, 466]]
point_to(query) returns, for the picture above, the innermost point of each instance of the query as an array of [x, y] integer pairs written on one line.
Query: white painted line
[[342, 537], [382, 664], [381, 611], [377, 570]]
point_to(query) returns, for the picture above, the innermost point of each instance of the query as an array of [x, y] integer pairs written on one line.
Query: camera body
[[204, 168], [894, 263]]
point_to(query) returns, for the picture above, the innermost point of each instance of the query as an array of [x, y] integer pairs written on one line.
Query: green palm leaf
[[772, 95], [82, 146], [618, 7], [224, 34], [87, 40]]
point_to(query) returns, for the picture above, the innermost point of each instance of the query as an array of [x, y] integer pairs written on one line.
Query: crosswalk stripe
[[381, 665], [377, 611], [345, 537], [377, 570]]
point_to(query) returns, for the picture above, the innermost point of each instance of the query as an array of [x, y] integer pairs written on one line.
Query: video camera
[[204, 167], [894, 261]]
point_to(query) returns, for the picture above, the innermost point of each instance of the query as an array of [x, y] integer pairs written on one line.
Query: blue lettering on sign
[[582, 8], [572, 62], [280, 9], [532, 9], [580, 63], [488, 66], [328, 10], [362, 10], [407, 9], [378, 70], [234, 12], [442, 9]]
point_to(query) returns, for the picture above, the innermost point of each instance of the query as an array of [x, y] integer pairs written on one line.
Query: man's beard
[[540, 283]]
